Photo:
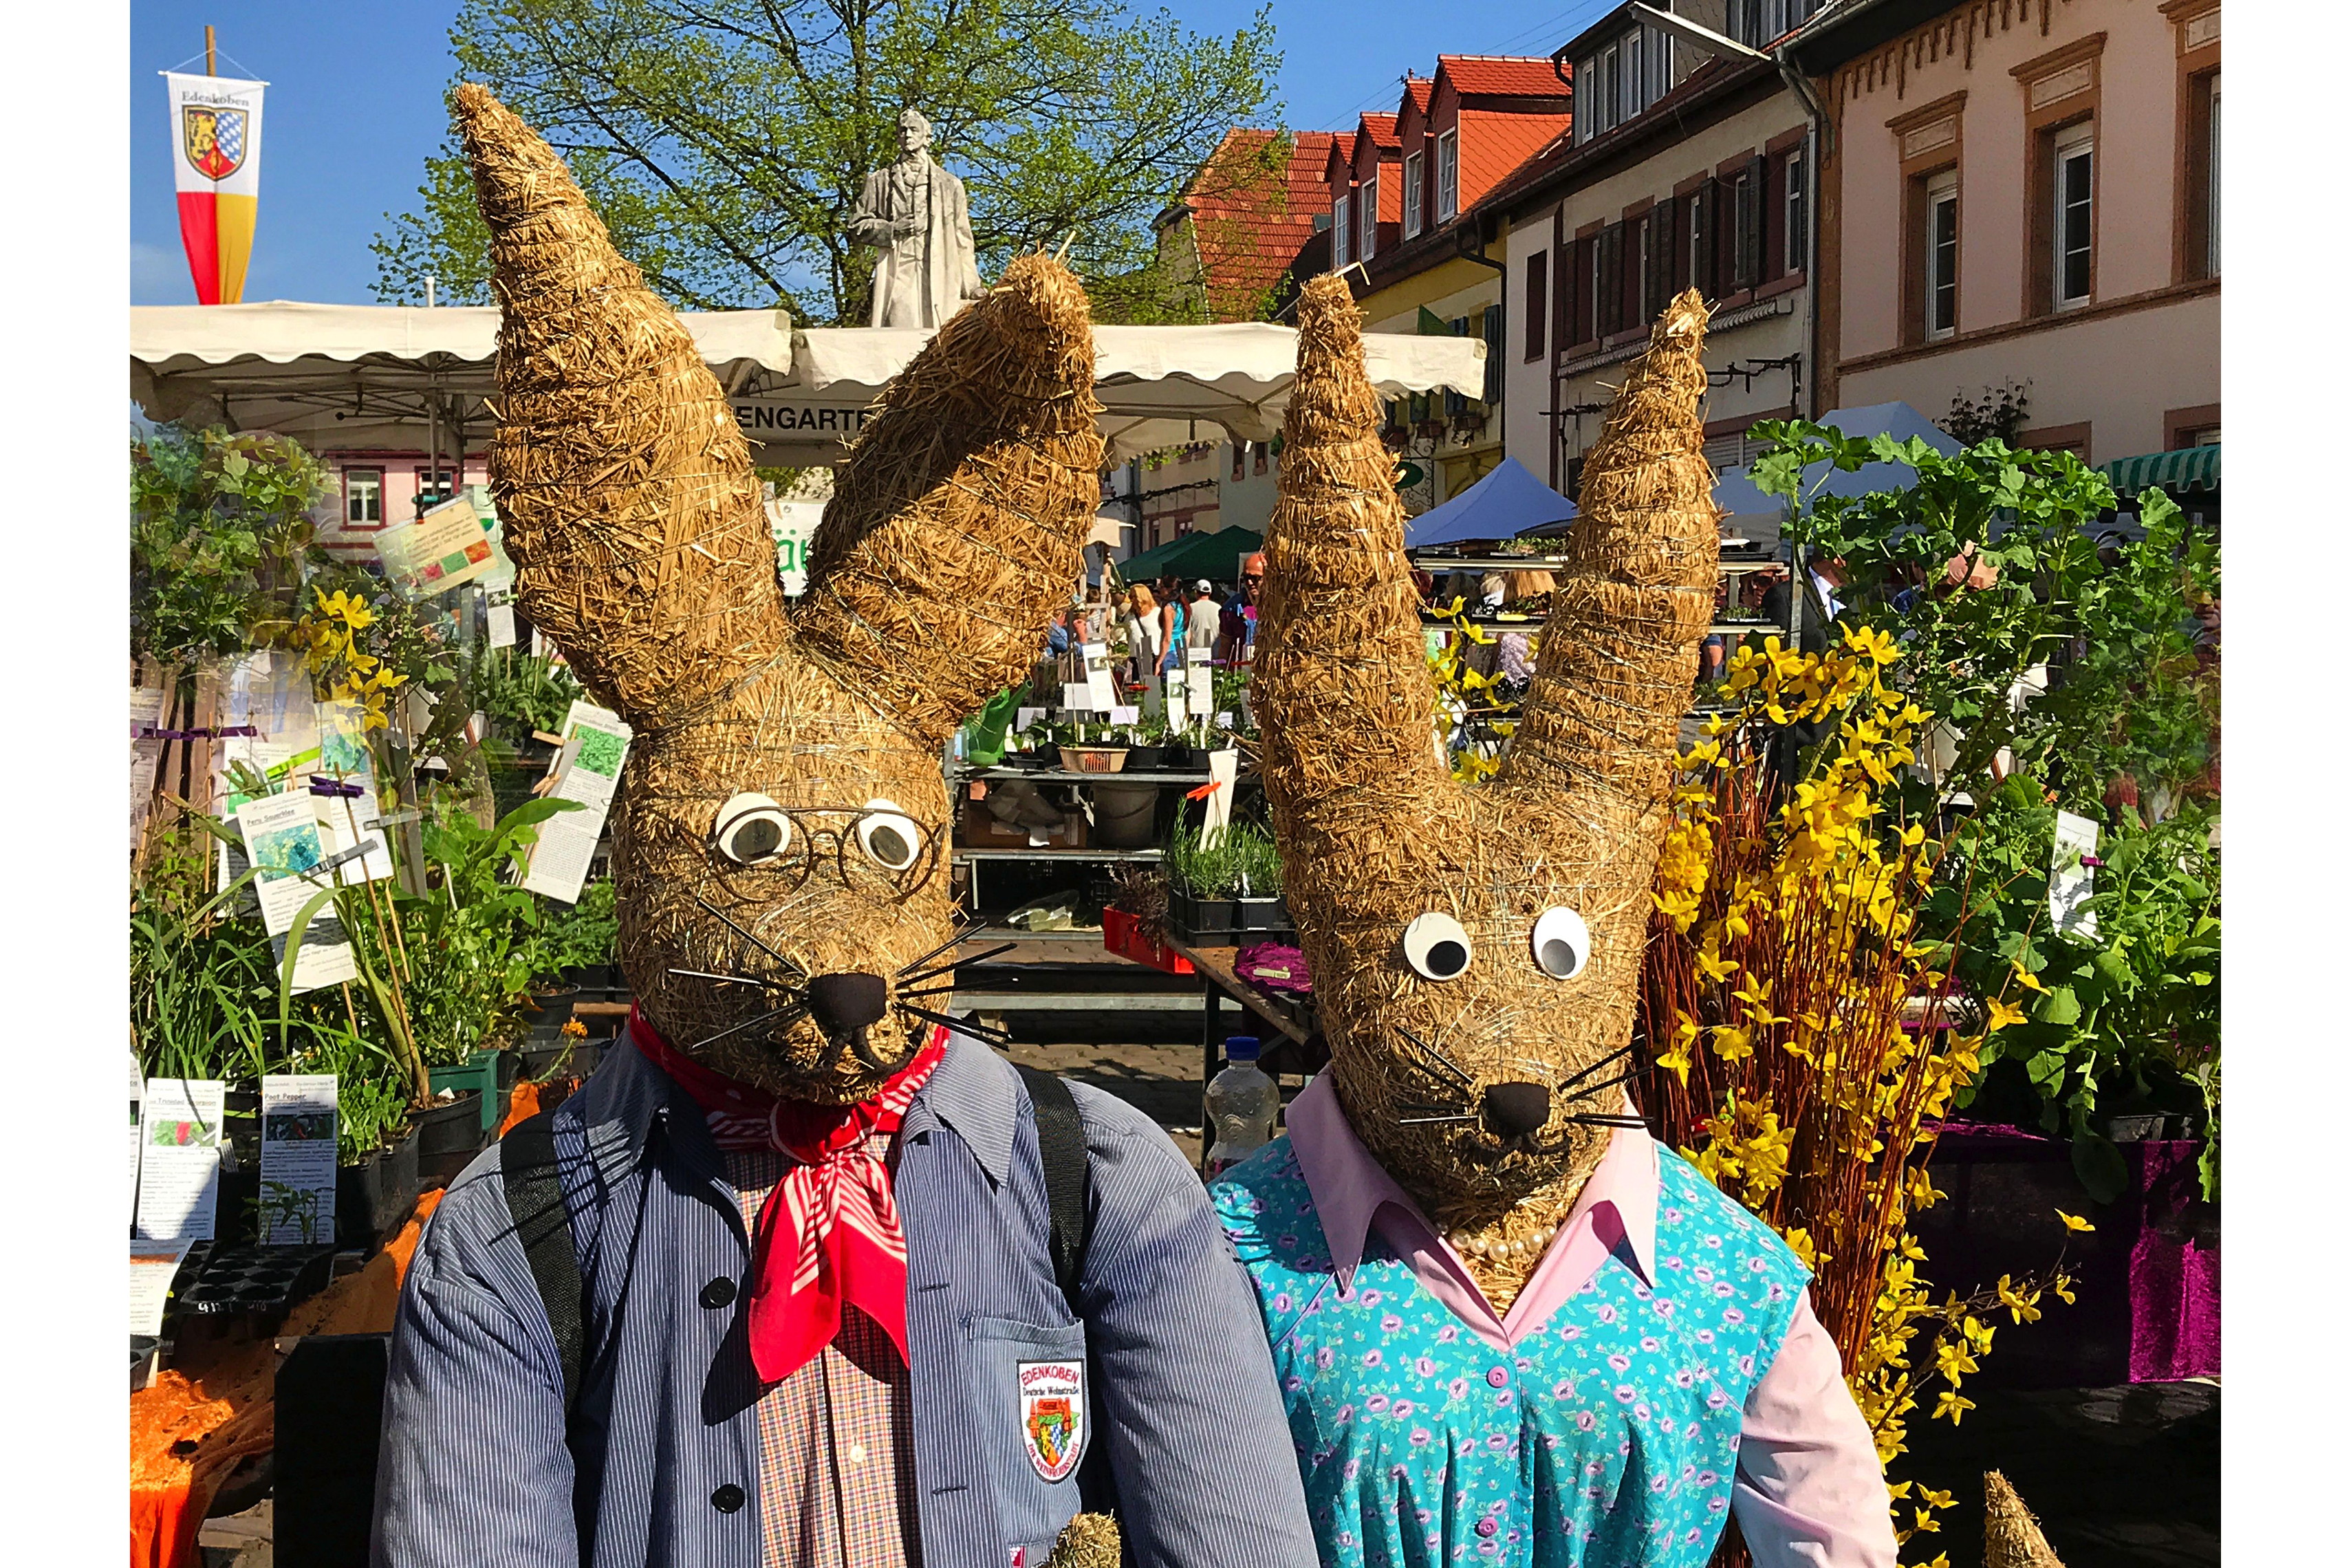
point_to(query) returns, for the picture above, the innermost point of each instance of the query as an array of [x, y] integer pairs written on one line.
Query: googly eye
[[750, 829], [1563, 942], [888, 836], [1436, 946]]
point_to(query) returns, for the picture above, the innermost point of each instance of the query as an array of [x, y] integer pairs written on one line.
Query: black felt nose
[[1514, 1110], [841, 1003]]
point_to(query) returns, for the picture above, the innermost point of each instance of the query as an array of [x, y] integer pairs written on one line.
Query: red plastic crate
[[1122, 934]]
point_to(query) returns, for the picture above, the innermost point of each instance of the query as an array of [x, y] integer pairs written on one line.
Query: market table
[[1299, 1047]]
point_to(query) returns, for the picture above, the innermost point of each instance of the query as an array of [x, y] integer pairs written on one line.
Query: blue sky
[[354, 106]]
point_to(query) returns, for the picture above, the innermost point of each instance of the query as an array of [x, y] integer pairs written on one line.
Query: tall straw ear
[[956, 526], [1340, 682], [1618, 657], [623, 486]]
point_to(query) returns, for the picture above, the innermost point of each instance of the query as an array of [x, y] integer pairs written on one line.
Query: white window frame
[[1367, 214], [1448, 175], [1628, 76], [1791, 214], [1657, 59], [1608, 90], [1943, 191], [1587, 98], [1343, 230], [2075, 142], [1412, 192], [1695, 205], [2212, 187], [359, 481]]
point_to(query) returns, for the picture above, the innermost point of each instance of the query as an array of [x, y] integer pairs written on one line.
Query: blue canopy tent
[[1752, 513], [1503, 505]]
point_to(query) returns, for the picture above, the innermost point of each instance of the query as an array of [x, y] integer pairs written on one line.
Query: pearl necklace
[[1470, 1245]]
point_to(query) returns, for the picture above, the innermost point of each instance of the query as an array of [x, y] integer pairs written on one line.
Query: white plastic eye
[[751, 829], [1436, 946], [1562, 943], [888, 836]]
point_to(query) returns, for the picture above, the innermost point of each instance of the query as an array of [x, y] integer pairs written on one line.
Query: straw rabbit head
[[1476, 951], [781, 840]]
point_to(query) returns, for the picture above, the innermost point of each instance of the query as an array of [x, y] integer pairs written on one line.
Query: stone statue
[[915, 211]]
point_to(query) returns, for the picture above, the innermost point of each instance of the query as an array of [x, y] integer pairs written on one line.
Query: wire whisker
[[1575, 1078], [789, 1014], [952, 941], [1424, 1121], [724, 980], [972, 1027], [935, 971], [746, 937]]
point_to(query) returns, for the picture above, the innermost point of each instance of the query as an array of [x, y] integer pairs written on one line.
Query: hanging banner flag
[[216, 170]]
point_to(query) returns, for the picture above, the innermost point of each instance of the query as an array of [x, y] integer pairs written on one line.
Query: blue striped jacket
[[659, 1470]]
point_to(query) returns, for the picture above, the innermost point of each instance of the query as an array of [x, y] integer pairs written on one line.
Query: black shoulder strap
[[1062, 1146], [543, 1223]]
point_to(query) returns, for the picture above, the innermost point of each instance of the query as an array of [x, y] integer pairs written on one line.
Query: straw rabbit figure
[[782, 831], [1475, 952]]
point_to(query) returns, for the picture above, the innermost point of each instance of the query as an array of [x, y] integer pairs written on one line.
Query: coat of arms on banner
[[1053, 1415], [213, 138]]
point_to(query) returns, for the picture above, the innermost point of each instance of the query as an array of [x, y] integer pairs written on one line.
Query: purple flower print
[[1502, 1400], [1674, 1263], [1375, 1403], [1706, 1336], [1487, 1549], [1625, 1394], [1347, 1292], [1458, 1388], [1691, 1431], [1324, 1358], [1691, 1539], [1701, 1272], [1649, 1344], [1733, 1315], [1401, 1409], [1497, 1441], [1351, 1468], [1747, 1366], [1722, 1288], [1707, 1477], [1620, 1362], [1570, 1332], [1425, 1367], [1717, 1400], [1345, 1412], [1564, 1389], [1373, 1357], [1658, 1486], [1640, 1292], [1390, 1324], [1714, 1505], [1756, 1264], [1641, 1411], [1673, 1217], [1421, 1515], [1293, 1383], [1287, 1243], [1607, 1313], [1685, 1378], [1448, 1334], [1778, 1291], [1663, 1308], [1282, 1302]]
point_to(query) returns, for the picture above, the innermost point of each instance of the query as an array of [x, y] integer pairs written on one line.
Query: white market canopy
[[379, 377]]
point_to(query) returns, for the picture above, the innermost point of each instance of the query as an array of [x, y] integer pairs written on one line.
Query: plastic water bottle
[[1241, 1101]]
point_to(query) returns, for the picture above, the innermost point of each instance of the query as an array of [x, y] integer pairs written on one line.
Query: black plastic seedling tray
[[257, 1280]]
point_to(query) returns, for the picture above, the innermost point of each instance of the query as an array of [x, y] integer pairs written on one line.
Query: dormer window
[[1343, 230], [1412, 195], [1449, 176], [1368, 205]]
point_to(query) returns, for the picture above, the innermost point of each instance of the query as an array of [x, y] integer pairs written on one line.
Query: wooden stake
[[210, 63]]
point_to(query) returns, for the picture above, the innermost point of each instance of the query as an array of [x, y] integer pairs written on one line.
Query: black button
[[717, 1293], [727, 1499]]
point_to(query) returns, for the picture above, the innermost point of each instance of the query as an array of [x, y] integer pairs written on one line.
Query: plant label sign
[[446, 547], [297, 1159], [2070, 882], [595, 744], [1200, 686], [1101, 694], [153, 1266], [1077, 696], [179, 1168], [287, 850], [1027, 717], [1122, 714], [138, 1093]]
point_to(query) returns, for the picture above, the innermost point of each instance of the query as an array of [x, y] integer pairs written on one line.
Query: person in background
[[1238, 623], [1056, 635], [1143, 635], [1529, 591], [1493, 592], [1202, 616], [1172, 619]]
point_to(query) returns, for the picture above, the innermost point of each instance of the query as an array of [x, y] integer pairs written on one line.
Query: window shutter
[[1493, 392], [1750, 223], [1708, 280], [1538, 300], [1563, 294], [1611, 279], [1661, 256]]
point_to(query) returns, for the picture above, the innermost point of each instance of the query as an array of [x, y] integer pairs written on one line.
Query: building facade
[[2027, 196], [1432, 262], [1687, 167]]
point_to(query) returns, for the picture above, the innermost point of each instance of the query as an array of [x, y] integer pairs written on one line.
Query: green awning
[[2188, 468], [1211, 555]]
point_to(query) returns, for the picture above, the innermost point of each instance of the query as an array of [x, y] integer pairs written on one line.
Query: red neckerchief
[[836, 1202]]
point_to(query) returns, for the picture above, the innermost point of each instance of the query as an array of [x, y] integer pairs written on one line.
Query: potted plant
[[1080, 755], [1259, 907], [1201, 878]]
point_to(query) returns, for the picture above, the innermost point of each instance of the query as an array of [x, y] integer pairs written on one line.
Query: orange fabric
[[521, 1106], [219, 1404]]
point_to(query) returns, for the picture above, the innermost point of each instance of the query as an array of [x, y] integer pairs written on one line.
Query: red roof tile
[[1418, 90], [1249, 220], [1341, 159], [1494, 143], [1382, 130], [1524, 75]]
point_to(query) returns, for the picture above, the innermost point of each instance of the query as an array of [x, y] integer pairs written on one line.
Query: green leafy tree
[[220, 535], [2128, 694], [725, 142]]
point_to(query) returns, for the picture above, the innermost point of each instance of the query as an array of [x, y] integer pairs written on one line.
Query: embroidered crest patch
[[1053, 1415]]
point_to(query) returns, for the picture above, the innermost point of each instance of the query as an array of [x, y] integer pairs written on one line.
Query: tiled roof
[[1251, 221], [1420, 90], [1382, 130], [1525, 76], [1341, 154], [1493, 144]]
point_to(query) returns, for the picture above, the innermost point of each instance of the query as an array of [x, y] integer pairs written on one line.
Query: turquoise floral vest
[[1606, 1437]]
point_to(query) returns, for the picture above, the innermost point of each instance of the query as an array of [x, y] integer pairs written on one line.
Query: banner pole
[[209, 59]]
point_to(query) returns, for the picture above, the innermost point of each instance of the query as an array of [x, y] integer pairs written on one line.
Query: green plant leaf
[[2101, 1167]]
